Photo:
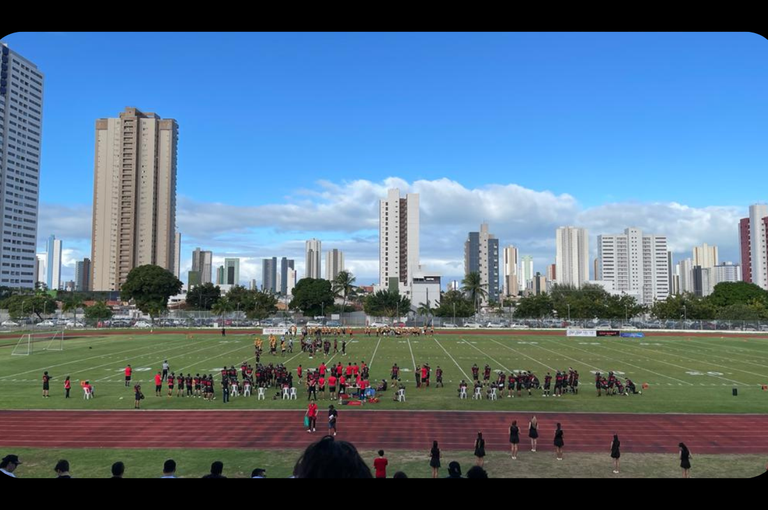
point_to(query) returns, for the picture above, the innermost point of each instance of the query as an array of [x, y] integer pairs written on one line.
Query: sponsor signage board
[[581, 332], [274, 331], [633, 335], [608, 332]]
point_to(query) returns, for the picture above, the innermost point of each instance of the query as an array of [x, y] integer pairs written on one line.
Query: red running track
[[371, 430]]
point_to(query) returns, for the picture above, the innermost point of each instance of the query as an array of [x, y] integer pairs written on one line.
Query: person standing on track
[[480, 449], [615, 453], [514, 438], [533, 432], [333, 416], [559, 442]]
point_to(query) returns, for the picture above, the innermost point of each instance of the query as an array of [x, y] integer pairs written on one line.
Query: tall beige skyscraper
[[511, 272], [134, 196], [334, 263], [572, 258], [705, 256]]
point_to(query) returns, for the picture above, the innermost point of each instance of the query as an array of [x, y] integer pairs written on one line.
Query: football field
[[683, 374]]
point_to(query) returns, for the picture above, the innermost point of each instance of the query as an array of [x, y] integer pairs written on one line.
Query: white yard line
[[374, 353], [412, 357], [750, 353], [572, 359], [723, 366], [84, 359], [160, 361], [621, 361], [672, 364], [523, 354], [449, 355], [486, 355]]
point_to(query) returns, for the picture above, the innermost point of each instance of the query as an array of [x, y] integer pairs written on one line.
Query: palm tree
[[425, 309], [473, 287], [72, 304], [222, 306], [343, 286]]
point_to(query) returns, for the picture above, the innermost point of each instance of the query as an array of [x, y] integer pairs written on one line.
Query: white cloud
[[344, 215]]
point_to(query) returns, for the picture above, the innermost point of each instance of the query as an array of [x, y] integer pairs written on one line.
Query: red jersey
[[321, 381], [158, 380], [312, 411], [298, 370], [424, 373], [332, 380], [342, 380], [355, 369], [170, 380], [380, 465], [349, 371], [128, 371], [67, 384], [321, 369]]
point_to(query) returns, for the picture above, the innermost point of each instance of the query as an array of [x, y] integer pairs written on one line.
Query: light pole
[[569, 312]]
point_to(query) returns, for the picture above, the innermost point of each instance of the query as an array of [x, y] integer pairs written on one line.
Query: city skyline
[[682, 109]]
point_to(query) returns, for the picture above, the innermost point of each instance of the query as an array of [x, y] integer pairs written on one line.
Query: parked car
[[450, 325], [379, 325], [314, 324], [494, 325], [475, 325], [10, 324], [45, 324], [333, 324], [142, 324], [518, 326]]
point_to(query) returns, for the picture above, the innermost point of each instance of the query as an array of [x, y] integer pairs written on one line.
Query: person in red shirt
[[128, 372], [380, 465], [158, 384], [321, 369], [312, 415], [46, 384], [332, 386], [349, 370], [67, 386], [356, 369], [342, 386], [171, 379], [321, 385], [298, 372], [424, 377]]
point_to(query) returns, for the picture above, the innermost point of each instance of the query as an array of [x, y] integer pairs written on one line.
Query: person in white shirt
[[9, 464]]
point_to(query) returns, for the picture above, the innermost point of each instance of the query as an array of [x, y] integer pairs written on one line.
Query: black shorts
[[332, 389], [158, 387], [45, 386], [127, 377]]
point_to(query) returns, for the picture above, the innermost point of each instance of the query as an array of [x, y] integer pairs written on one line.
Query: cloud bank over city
[[344, 215]]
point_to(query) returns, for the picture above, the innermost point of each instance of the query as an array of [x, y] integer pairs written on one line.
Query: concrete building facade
[[572, 258], [398, 238], [134, 196]]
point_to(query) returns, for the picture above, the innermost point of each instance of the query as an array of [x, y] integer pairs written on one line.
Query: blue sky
[[278, 127]]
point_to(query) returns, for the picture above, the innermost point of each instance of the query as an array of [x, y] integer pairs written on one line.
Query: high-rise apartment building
[[334, 264], [753, 237], [481, 255], [83, 275], [312, 267], [636, 264], [398, 238], [705, 256], [21, 130], [202, 262], [231, 271], [53, 263], [285, 265], [42, 271], [552, 273], [177, 255], [269, 275], [526, 271], [290, 281], [510, 282], [134, 190], [572, 258]]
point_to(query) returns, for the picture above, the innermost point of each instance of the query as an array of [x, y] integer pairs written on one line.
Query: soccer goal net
[[31, 342]]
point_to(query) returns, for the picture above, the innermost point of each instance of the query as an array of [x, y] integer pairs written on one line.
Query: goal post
[[23, 346], [56, 342]]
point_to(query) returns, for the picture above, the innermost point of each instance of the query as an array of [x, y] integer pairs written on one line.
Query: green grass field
[[194, 463], [684, 374]]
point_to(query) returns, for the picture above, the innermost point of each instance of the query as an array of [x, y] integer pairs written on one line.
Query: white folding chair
[[261, 394], [234, 391], [463, 392], [478, 394], [87, 394], [493, 394], [286, 394], [401, 395], [247, 390], [293, 394]]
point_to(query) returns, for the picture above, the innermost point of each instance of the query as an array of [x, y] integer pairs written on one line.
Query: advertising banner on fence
[[608, 332], [633, 335], [274, 331], [581, 332]]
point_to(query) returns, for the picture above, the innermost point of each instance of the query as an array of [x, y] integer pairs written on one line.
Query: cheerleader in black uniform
[[514, 438], [685, 459], [615, 453], [533, 432], [559, 442], [480, 449], [434, 461]]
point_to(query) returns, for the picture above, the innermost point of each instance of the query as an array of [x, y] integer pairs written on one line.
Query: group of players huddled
[[520, 380], [612, 385], [399, 331]]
